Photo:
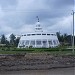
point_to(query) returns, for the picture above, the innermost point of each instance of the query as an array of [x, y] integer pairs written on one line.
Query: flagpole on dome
[[37, 18]]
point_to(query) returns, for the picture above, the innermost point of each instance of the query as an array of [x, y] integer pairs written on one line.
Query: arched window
[[32, 42], [38, 42], [27, 42], [54, 42], [44, 42]]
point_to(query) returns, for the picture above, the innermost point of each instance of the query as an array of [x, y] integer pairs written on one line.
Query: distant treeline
[[65, 39], [13, 41]]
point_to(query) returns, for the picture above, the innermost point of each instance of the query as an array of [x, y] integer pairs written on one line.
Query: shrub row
[[34, 49]]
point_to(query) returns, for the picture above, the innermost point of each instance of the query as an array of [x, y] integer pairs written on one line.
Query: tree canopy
[[3, 39]]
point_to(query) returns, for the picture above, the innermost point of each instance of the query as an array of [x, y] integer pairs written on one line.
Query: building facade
[[38, 39]]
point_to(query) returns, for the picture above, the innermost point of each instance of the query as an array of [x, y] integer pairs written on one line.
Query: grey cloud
[[5, 3], [65, 2], [49, 12]]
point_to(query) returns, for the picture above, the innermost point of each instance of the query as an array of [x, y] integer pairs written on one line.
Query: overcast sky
[[19, 16]]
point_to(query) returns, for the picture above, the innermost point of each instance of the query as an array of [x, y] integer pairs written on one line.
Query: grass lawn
[[52, 51]]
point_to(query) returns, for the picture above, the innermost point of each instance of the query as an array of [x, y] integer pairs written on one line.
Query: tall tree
[[7, 43], [17, 41], [3, 39], [59, 36], [12, 39]]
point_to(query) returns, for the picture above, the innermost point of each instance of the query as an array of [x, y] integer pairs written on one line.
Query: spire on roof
[[37, 18], [38, 27]]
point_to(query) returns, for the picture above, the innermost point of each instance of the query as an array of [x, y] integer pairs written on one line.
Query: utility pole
[[73, 31]]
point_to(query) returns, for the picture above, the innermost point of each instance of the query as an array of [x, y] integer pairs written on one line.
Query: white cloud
[[31, 5], [64, 25], [26, 28], [1, 13]]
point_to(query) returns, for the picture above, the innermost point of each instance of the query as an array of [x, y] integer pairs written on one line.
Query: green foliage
[[54, 51], [4, 42], [12, 39], [3, 39], [64, 39], [17, 41]]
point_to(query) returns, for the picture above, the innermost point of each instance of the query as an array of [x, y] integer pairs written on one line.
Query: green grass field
[[53, 51]]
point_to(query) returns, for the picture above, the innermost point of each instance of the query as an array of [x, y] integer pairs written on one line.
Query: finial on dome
[[37, 18], [38, 27]]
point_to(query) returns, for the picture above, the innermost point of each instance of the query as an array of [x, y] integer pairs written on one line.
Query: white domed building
[[38, 39]]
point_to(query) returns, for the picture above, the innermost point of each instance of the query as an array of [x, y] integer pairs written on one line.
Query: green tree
[[3, 39], [60, 37], [17, 41], [7, 43], [12, 39], [69, 39], [65, 38]]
